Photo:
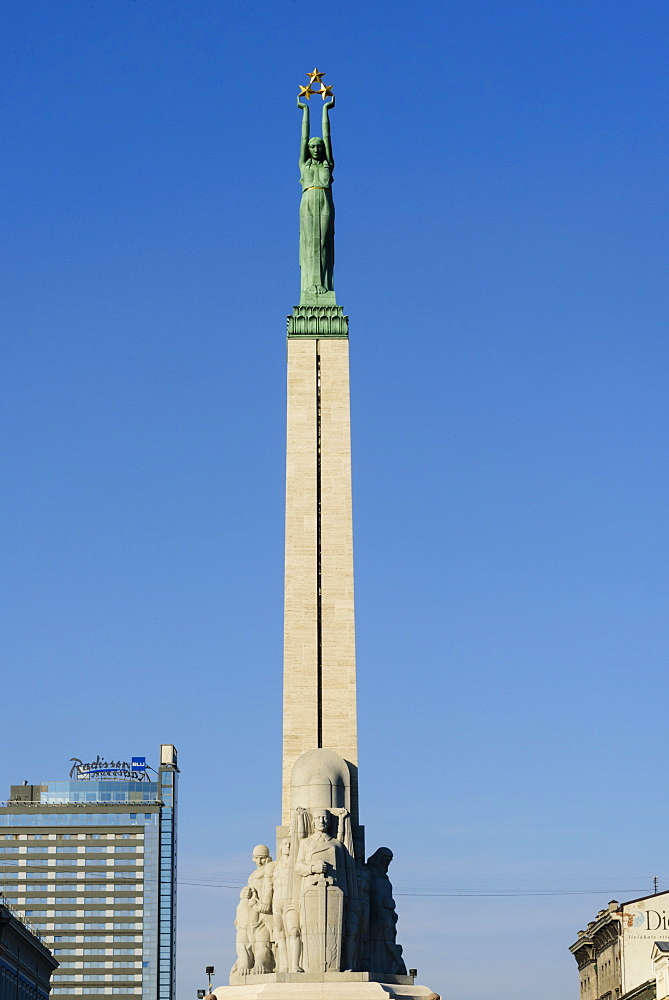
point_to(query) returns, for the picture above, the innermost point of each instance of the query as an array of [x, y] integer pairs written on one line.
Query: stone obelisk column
[[319, 688]]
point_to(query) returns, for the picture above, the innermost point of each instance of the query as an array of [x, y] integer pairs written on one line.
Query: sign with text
[[137, 770], [644, 921]]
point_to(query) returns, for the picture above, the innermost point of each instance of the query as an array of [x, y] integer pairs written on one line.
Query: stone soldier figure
[[357, 921], [286, 911], [385, 955], [322, 867]]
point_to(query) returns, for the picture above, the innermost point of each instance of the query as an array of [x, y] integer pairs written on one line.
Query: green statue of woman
[[317, 212]]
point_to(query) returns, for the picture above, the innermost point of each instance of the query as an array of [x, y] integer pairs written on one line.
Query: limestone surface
[[346, 986], [319, 687]]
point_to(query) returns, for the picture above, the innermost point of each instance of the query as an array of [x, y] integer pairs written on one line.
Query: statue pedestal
[[327, 986]]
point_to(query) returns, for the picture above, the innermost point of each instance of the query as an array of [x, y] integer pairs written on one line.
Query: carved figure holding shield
[[322, 865]]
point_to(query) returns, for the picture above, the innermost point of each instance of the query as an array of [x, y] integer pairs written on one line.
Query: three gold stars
[[316, 76]]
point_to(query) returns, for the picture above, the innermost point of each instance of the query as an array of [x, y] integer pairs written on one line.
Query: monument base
[[328, 986], [319, 977]]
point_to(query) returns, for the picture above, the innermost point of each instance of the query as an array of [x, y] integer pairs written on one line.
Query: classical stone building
[[660, 958], [623, 951], [26, 963]]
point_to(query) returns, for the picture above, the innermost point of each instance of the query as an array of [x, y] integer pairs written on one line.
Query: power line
[[459, 888], [474, 893]]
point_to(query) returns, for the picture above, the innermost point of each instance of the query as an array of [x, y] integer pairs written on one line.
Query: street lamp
[[210, 971], [201, 994]]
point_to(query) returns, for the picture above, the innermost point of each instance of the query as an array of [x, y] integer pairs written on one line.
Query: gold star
[[306, 91], [316, 76], [326, 90]]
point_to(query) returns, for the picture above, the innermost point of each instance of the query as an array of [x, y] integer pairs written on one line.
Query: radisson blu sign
[[136, 770]]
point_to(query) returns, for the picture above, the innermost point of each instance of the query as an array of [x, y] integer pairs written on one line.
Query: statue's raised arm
[[326, 131], [304, 141]]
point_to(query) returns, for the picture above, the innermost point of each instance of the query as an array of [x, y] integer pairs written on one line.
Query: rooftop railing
[[97, 802], [20, 915]]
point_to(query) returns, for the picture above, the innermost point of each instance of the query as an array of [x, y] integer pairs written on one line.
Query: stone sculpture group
[[318, 909]]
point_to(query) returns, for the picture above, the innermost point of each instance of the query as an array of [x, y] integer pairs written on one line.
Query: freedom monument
[[320, 920]]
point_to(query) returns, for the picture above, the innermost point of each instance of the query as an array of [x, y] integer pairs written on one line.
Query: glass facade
[[91, 863]]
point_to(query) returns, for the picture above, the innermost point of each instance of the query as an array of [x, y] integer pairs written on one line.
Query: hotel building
[[91, 863]]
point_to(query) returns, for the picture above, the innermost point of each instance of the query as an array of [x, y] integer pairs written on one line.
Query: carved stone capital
[[318, 322]]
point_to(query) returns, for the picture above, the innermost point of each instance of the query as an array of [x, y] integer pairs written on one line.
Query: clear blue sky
[[501, 250]]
